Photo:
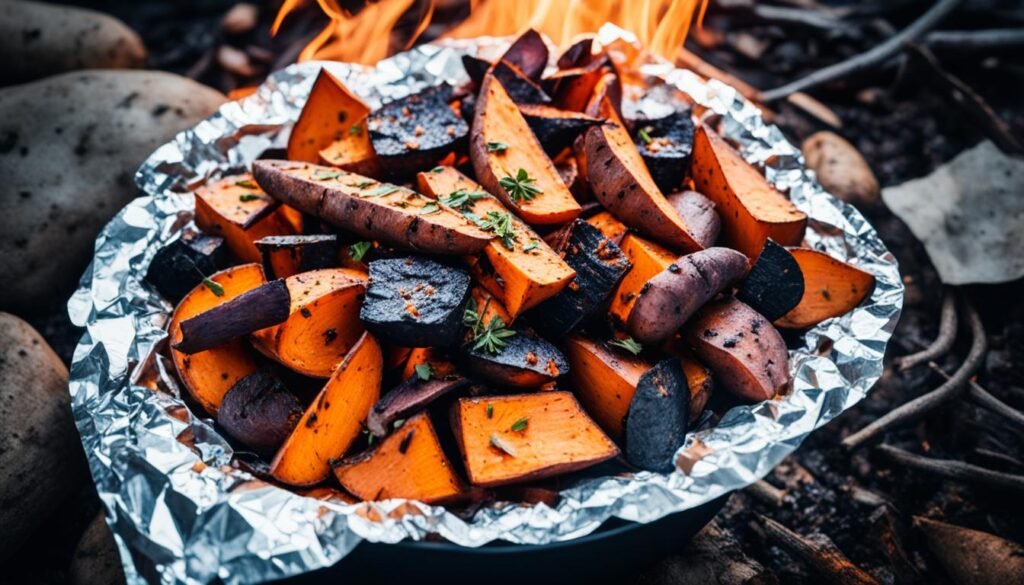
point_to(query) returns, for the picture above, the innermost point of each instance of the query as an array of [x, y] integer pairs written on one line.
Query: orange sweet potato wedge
[[504, 151], [831, 288], [409, 463], [648, 259], [605, 380], [439, 366], [621, 182], [334, 120], [609, 226], [750, 209], [208, 375], [523, 437], [238, 210], [521, 271], [334, 419], [323, 322]]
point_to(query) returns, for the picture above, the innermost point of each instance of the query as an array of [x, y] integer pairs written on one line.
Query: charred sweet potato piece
[[554, 128], [259, 412], [238, 210], [699, 215], [775, 283], [525, 360], [666, 145], [698, 378], [746, 354], [369, 209], [579, 53], [751, 210], [427, 356], [669, 299], [334, 419], [609, 226], [599, 265], [285, 256], [573, 87], [520, 88], [658, 417], [261, 307], [528, 53], [511, 164], [519, 268], [410, 464], [208, 375], [410, 396], [621, 182], [332, 114], [475, 68], [179, 266], [322, 324], [647, 260], [604, 379], [415, 301], [831, 288], [416, 131], [508, 439]]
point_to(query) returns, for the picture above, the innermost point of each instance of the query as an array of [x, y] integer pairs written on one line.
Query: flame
[[365, 37]]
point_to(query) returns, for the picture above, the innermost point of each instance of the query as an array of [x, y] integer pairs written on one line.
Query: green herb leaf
[[247, 183], [522, 187], [359, 249], [398, 423], [492, 338], [321, 175], [214, 287], [437, 170], [424, 372], [379, 191], [490, 410], [520, 425], [500, 223], [499, 444], [644, 135], [533, 245], [629, 344], [463, 200], [496, 147], [246, 197], [430, 208], [362, 184], [355, 129], [471, 318]]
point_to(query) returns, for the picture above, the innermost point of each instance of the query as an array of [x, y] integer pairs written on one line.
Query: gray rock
[[841, 169], [69, 147], [38, 40]]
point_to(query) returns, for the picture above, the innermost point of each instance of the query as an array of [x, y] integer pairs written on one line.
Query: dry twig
[[820, 553], [954, 470], [971, 41], [766, 493], [985, 399], [922, 405], [942, 343]]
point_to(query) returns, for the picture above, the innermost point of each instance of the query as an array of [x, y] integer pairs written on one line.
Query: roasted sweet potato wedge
[[658, 417], [520, 88], [415, 301], [486, 305], [522, 360], [475, 68], [285, 256], [334, 419], [528, 53], [701, 384], [647, 260], [259, 412], [621, 182], [775, 283], [322, 324], [599, 265], [554, 128], [263, 306], [238, 210], [574, 87], [666, 145], [699, 215], [604, 380], [511, 163], [751, 210], [208, 375], [609, 226], [439, 366], [746, 354], [410, 396], [831, 288], [416, 131], [332, 115], [181, 265], [369, 209], [669, 299], [410, 464], [518, 267], [507, 439]]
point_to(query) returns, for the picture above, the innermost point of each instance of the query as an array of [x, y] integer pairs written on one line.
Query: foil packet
[[182, 513]]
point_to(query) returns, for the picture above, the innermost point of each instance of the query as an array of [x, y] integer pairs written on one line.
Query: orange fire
[[365, 37]]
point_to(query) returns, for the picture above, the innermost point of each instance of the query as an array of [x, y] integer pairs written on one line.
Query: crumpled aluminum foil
[[181, 513]]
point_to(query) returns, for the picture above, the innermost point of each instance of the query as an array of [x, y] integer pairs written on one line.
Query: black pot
[[615, 550]]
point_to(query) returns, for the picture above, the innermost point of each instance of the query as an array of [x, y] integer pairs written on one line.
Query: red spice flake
[[450, 130], [531, 358], [412, 144], [419, 131], [412, 310], [429, 291], [552, 367], [574, 286], [406, 112]]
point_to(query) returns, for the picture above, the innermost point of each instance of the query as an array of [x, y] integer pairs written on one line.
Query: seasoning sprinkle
[[424, 372], [214, 287], [322, 175], [247, 183], [490, 410], [629, 344], [246, 197], [499, 444], [522, 187], [379, 191], [496, 147], [520, 425], [359, 249]]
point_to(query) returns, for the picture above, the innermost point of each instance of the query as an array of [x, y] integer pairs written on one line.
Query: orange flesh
[[323, 324], [489, 307], [698, 378], [332, 115], [751, 210], [521, 279], [409, 463], [334, 419], [605, 381], [501, 121], [430, 356], [236, 209], [648, 260], [831, 288], [609, 226], [558, 437], [208, 375]]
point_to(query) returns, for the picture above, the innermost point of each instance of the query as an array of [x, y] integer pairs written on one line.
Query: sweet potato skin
[[408, 397], [604, 380], [263, 306], [699, 215], [831, 288], [528, 361], [648, 259], [396, 217], [747, 355], [259, 412], [240, 212], [666, 302]]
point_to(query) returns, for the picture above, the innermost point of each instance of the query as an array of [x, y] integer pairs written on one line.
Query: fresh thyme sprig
[[522, 187], [463, 200], [500, 223], [492, 338], [629, 344]]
